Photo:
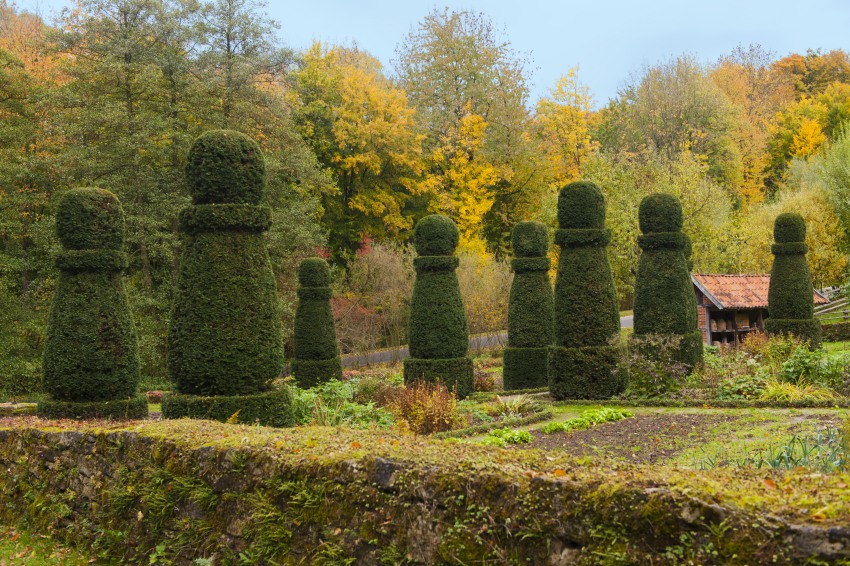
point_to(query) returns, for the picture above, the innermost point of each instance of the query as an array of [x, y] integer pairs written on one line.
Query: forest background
[[114, 92]]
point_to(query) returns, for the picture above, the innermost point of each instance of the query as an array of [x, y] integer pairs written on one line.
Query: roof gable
[[739, 291]]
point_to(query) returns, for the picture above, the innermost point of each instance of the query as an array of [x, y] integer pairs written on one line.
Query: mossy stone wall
[[91, 350], [530, 309], [317, 357], [665, 304], [584, 362], [225, 334], [438, 335], [244, 494], [790, 302]]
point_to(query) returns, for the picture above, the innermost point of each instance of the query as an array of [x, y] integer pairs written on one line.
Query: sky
[[609, 40]]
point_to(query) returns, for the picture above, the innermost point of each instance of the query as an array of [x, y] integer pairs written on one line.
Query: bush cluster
[[664, 294], [437, 330], [584, 362], [530, 310], [789, 300], [91, 360]]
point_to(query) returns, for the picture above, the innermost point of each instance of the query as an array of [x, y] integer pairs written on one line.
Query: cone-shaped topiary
[[665, 304], [789, 298], [437, 330], [91, 360], [225, 334], [530, 329], [584, 362], [316, 353]]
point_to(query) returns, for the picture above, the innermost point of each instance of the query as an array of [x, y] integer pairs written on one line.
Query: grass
[[837, 347], [23, 548]]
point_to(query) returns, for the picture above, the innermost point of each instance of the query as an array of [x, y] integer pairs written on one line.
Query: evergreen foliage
[[272, 408], [316, 353], [664, 296], [91, 351], [225, 334], [530, 309], [437, 331], [583, 363], [789, 299]]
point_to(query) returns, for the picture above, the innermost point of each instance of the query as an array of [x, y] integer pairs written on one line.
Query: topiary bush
[[584, 362], [225, 333], [316, 353], [789, 298], [438, 336], [665, 304], [91, 352], [530, 309]]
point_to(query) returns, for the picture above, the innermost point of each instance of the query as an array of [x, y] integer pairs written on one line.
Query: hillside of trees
[[113, 94]]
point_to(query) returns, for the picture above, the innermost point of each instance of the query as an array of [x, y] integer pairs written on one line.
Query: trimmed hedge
[[438, 335], [664, 296], [272, 408], [225, 334], [789, 298], [134, 408], [530, 309], [234, 494], [91, 350], [584, 362], [316, 357]]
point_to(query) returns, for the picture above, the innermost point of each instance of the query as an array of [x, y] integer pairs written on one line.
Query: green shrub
[[316, 353], [741, 387], [654, 367], [587, 419], [530, 310], [583, 363], [664, 296], [504, 436], [271, 408], [335, 403], [91, 351], [437, 330], [225, 333], [789, 299], [835, 332]]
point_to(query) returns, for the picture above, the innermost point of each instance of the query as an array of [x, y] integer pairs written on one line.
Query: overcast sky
[[607, 39]]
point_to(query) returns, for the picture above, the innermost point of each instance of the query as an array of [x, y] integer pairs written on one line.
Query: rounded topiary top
[[530, 239], [435, 234], [314, 272], [89, 219], [581, 206], [225, 167], [789, 227], [660, 212]]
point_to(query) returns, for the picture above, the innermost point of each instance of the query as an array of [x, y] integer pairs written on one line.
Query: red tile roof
[[738, 291]]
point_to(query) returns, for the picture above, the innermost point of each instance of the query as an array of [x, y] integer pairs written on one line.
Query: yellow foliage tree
[[562, 124], [463, 180], [808, 139]]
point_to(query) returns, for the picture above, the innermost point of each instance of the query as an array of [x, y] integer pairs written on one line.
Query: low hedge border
[[835, 332], [273, 408], [535, 417], [713, 403], [235, 494], [135, 408]]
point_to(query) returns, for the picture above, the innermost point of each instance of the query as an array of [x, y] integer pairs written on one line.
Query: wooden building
[[730, 306]]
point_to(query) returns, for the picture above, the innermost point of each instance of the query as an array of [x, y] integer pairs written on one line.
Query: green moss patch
[[261, 495]]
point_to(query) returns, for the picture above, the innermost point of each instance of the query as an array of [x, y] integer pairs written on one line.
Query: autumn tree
[[463, 77], [362, 129], [674, 107], [562, 122], [812, 73]]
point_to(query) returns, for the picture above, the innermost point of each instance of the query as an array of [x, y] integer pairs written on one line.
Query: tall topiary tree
[[665, 304], [584, 362], [530, 310], [91, 360], [789, 299], [437, 331], [316, 353], [225, 335]]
